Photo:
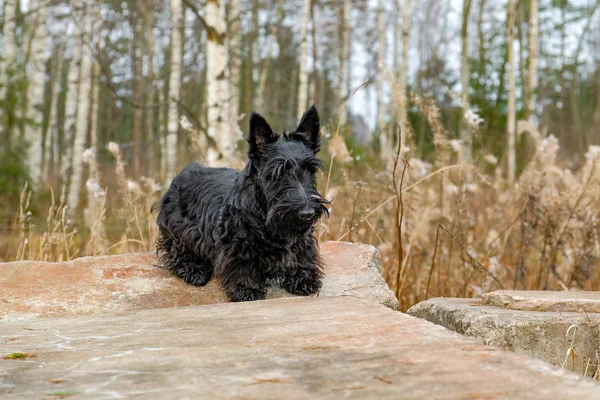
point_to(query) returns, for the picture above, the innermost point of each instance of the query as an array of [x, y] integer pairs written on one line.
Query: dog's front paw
[[246, 294], [193, 276], [304, 287]]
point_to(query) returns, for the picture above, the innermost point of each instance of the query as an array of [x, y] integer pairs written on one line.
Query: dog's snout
[[306, 213]]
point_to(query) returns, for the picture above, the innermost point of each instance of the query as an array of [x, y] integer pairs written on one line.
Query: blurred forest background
[[461, 136]]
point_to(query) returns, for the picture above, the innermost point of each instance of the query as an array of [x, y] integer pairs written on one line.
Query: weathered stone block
[[538, 334], [91, 285], [295, 348], [544, 300]]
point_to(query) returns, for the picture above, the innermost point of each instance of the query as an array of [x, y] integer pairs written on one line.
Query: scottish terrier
[[251, 228]]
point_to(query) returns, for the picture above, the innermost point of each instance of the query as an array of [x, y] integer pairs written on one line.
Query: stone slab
[[89, 285], [544, 335], [540, 300], [294, 348]]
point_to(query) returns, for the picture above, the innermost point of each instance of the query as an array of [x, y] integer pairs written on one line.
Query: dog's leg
[[304, 278], [304, 282], [240, 284], [246, 293], [185, 263]]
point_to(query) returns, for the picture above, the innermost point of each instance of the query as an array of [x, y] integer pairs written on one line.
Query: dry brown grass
[[55, 243], [455, 231], [129, 219], [445, 228]]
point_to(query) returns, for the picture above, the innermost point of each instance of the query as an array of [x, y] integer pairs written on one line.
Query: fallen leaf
[[349, 388], [55, 380], [63, 394], [316, 348], [258, 381], [382, 379]]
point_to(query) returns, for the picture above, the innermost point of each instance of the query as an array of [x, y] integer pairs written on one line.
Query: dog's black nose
[[306, 213]]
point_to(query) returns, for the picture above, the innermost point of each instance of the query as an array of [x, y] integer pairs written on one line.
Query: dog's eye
[[275, 174], [312, 166], [278, 171]]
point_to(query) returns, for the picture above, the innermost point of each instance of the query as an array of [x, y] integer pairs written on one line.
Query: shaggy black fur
[[254, 228]]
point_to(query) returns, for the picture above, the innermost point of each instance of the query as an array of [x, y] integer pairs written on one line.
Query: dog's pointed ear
[[309, 128], [260, 134]]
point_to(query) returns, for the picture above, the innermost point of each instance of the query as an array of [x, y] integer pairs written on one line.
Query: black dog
[[252, 228]]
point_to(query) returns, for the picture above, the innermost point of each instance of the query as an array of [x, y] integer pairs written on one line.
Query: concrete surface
[[293, 348]]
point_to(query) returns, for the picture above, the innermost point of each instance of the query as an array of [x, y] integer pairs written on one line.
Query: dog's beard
[[283, 219]]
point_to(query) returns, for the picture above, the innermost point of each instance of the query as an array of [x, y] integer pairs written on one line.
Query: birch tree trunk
[[511, 118], [397, 38], [94, 108], [271, 41], [532, 67], [8, 61], [466, 134], [343, 78], [136, 76], [519, 37], [148, 15], [303, 73], [403, 74], [481, 38], [396, 41], [220, 126], [384, 142], [174, 88], [235, 54], [34, 132], [315, 84], [71, 105], [51, 148], [292, 94], [163, 110], [96, 91], [251, 95], [256, 42], [83, 100]]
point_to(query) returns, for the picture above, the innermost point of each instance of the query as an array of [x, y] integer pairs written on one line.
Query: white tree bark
[[83, 100], [162, 131], [174, 88], [396, 41], [235, 62], [343, 77], [137, 93], [384, 142], [96, 91], [51, 148], [148, 15], [533, 47], [397, 38], [72, 94], [8, 61], [511, 118], [271, 41], [403, 74], [34, 132], [465, 130], [256, 44], [220, 126], [303, 74]]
